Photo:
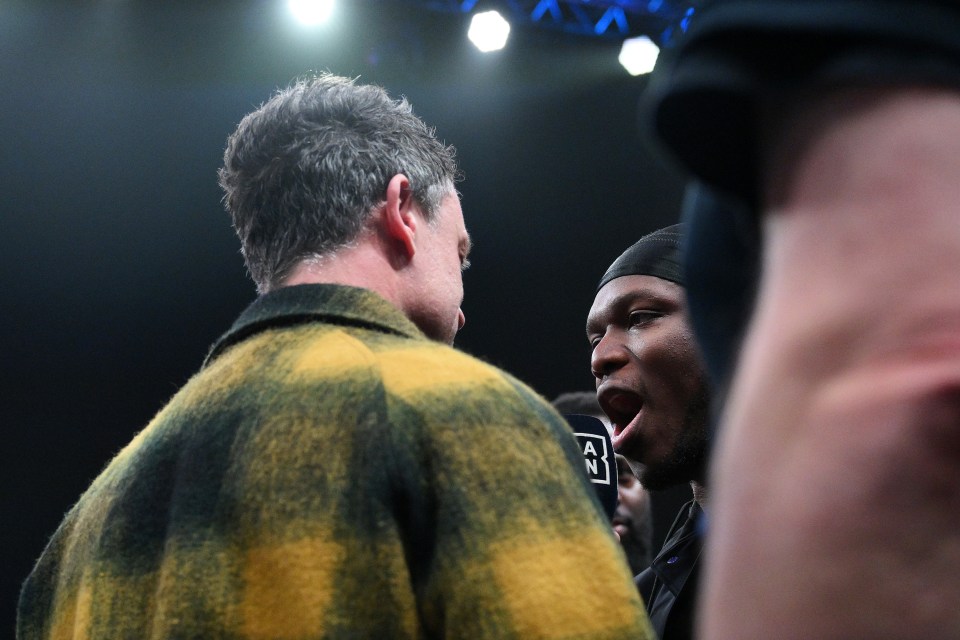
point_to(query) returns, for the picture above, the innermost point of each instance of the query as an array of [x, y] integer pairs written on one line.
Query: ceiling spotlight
[[639, 55], [488, 31], [311, 12]]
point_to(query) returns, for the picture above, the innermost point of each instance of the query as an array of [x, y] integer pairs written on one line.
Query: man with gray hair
[[335, 470]]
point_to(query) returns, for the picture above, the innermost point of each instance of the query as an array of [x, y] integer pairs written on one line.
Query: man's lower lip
[[620, 433]]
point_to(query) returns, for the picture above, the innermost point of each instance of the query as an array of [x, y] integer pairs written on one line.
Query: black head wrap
[[655, 254]]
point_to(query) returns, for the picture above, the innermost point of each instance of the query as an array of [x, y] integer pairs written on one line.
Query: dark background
[[118, 262]]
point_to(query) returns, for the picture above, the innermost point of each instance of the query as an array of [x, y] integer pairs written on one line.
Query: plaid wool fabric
[[331, 473]]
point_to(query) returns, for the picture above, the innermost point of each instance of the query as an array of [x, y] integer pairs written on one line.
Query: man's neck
[[360, 264]]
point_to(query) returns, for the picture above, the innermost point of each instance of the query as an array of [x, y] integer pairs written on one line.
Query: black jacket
[[669, 585]]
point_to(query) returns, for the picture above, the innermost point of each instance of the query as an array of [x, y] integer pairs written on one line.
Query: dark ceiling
[[119, 266]]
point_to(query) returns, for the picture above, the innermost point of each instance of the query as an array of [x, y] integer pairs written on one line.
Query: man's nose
[[608, 356]]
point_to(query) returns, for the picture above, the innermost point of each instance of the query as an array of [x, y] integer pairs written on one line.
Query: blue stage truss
[[660, 20]]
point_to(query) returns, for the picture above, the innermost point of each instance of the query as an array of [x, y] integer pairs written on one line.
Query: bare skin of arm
[[836, 486]]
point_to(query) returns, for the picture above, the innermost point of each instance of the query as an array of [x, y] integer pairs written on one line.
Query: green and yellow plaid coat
[[332, 473]]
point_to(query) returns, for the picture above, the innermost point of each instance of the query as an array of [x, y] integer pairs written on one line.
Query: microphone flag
[[598, 456]]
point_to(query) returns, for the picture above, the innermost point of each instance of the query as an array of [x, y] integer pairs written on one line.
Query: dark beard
[[688, 460]]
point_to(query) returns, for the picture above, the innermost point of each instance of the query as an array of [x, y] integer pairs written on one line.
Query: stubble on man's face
[[687, 460], [443, 246]]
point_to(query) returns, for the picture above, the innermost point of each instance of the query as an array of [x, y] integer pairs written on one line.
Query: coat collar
[[330, 303]]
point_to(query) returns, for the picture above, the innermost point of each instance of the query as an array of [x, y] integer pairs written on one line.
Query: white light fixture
[[311, 12], [639, 55], [488, 31]]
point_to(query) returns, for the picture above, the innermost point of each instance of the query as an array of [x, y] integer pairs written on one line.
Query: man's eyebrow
[[642, 294], [625, 299]]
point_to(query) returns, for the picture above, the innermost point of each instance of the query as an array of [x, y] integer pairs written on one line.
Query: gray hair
[[303, 173]]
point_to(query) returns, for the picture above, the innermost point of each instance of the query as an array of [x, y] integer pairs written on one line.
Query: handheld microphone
[[598, 456]]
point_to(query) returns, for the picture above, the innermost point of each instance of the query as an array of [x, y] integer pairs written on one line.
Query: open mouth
[[621, 406]]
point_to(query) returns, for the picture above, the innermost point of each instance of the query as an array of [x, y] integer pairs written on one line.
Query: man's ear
[[400, 223]]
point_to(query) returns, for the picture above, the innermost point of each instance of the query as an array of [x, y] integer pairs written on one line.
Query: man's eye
[[464, 265], [643, 317]]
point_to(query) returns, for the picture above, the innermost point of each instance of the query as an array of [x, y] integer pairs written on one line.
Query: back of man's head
[[303, 172]]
